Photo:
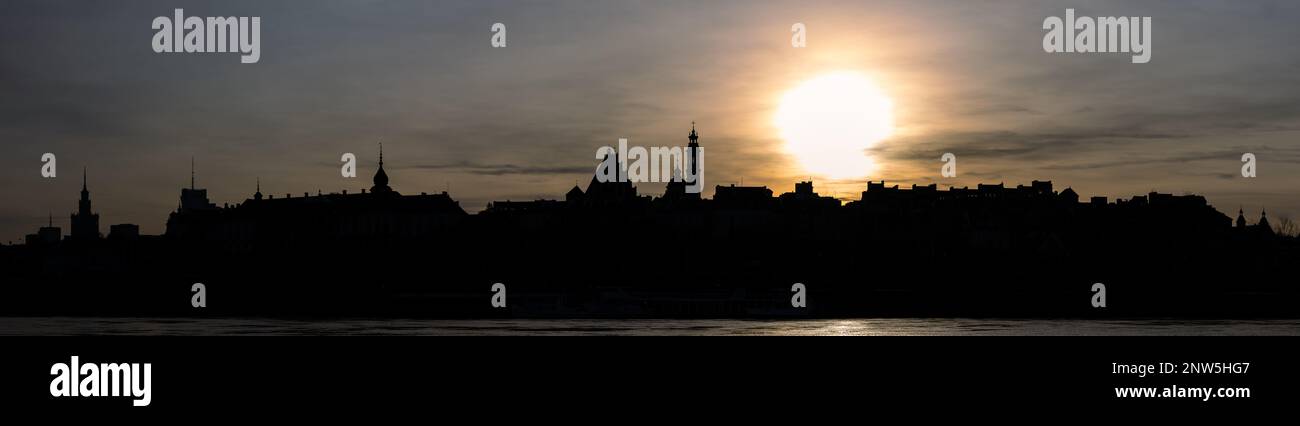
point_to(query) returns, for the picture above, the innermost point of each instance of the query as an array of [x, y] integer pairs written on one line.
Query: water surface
[[834, 327]]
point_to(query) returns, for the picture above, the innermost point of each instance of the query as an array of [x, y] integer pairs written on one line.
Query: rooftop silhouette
[[605, 250]]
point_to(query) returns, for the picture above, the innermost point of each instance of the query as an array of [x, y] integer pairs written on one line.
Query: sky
[[79, 79]]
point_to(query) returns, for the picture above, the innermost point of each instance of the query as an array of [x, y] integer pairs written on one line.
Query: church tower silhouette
[[381, 177], [692, 150]]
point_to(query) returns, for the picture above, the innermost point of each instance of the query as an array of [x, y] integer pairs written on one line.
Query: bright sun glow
[[828, 123]]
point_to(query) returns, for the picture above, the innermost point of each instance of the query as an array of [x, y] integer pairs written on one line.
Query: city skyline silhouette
[[605, 250], [517, 122], [1029, 170], [84, 223]]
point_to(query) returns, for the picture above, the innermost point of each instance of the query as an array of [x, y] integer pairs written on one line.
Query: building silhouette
[[379, 213], [381, 178], [805, 198], [609, 250], [85, 223], [194, 199], [47, 235], [675, 192], [1260, 228], [124, 232]]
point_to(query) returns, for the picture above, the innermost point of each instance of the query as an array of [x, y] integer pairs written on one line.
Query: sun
[[829, 122]]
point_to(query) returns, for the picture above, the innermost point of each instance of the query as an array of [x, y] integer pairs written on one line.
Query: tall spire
[[381, 177], [191, 172], [85, 223], [1263, 221], [692, 156], [85, 193]]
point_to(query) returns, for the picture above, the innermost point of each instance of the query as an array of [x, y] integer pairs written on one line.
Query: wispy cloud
[[506, 169]]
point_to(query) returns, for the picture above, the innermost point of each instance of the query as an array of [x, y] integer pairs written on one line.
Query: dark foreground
[[836, 327]]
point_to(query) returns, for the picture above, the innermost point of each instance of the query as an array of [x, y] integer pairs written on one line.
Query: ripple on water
[[835, 327]]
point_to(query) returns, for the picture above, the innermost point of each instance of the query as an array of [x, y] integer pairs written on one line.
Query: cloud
[[340, 76], [506, 169]]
